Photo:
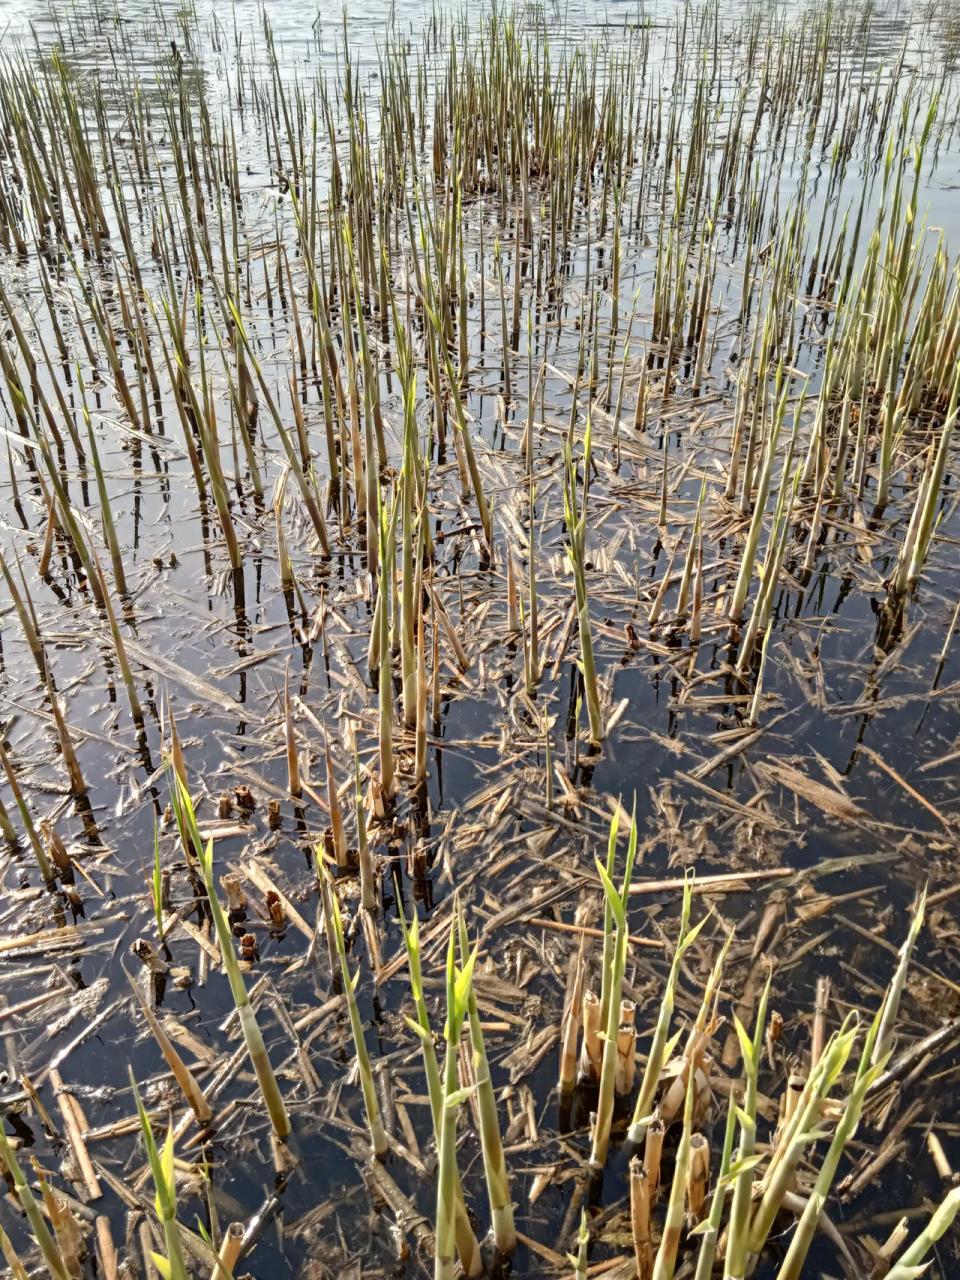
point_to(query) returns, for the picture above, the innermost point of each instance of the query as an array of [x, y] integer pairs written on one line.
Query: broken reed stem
[[337, 828], [181, 1072], [570, 1028], [592, 1047], [290, 739], [369, 897], [26, 818]]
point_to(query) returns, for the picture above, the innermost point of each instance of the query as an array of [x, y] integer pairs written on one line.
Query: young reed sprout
[[259, 1058], [710, 1228], [618, 902], [737, 1251], [378, 1135], [494, 1164], [171, 1267], [609, 939], [77, 784], [580, 1259], [338, 831], [891, 1007], [174, 754], [7, 829], [661, 1047], [911, 1264], [156, 883], [369, 894], [467, 1246], [459, 983], [41, 1232], [290, 741]]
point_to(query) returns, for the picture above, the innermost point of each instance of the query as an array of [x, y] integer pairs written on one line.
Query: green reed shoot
[[660, 1046], [579, 1259], [910, 1264], [494, 1165], [710, 1228], [48, 1246], [378, 1135], [171, 1267], [259, 1058], [618, 902], [466, 1242], [458, 983], [735, 1261]]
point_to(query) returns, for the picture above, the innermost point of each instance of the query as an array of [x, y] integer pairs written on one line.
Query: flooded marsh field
[[479, 672]]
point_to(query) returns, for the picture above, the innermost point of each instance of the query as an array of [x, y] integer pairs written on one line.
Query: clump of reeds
[[757, 1183]]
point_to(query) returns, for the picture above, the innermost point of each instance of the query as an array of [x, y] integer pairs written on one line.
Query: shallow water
[[849, 700]]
